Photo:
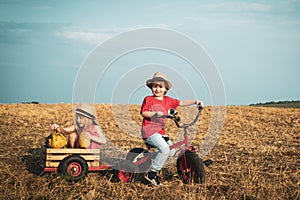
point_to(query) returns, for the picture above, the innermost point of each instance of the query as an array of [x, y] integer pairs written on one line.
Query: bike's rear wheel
[[125, 171], [137, 154], [190, 168]]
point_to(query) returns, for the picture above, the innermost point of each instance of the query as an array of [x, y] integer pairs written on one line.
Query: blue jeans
[[164, 151]]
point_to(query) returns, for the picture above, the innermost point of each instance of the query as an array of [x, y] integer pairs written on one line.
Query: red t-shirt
[[156, 125]]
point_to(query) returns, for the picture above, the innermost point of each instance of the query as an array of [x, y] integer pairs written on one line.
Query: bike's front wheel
[[190, 168]]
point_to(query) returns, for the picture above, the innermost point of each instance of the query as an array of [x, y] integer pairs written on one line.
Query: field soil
[[255, 157]]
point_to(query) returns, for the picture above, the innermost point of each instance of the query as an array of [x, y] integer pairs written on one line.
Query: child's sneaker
[[153, 179]]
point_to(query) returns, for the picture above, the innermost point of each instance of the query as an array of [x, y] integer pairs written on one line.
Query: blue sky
[[254, 45]]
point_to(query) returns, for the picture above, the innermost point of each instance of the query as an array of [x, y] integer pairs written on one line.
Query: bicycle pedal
[[208, 162]]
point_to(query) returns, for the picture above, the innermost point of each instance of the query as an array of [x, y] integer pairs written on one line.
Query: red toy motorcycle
[[190, 166]]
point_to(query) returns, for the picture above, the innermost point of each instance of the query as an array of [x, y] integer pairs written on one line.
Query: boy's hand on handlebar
[[200, 104], [160, 114]]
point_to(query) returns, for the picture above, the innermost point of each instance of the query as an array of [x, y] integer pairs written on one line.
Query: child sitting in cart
[[86, 132]]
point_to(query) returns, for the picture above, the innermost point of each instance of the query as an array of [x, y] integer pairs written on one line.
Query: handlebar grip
[[200, 107], [172, 112]]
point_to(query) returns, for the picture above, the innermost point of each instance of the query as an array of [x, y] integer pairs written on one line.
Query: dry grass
[[256, 157]]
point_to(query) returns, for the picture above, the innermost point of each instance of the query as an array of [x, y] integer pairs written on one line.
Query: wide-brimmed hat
[[157, 77], [86, 110]]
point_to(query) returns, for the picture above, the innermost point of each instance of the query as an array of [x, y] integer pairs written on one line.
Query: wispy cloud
[[30, 26], [101, 35], [25, 32], [238, 7], [90, 37]]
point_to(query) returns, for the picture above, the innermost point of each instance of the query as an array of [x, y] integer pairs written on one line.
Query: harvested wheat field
[[255, 157]]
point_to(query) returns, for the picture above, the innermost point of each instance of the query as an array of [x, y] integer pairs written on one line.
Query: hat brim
[[84, 113], [159, 79]]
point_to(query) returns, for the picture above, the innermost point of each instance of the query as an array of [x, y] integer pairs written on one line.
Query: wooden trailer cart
[[74, 164]]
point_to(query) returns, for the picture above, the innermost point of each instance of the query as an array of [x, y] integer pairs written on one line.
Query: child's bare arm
[[190, 102], [101, 139], [149, 114], [66, 131]]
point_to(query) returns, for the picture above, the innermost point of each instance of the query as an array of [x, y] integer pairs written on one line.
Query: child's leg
[[172, 151], [72, 139], [164, 151]]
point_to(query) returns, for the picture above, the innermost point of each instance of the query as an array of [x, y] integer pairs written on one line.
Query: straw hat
[[158, 76], [86, 110]]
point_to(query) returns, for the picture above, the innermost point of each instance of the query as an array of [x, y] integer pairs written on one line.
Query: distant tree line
[[285, 104], [32, 102]]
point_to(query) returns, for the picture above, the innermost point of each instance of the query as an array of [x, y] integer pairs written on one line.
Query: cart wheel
[[125, 171], [73, 168], [190, 168]]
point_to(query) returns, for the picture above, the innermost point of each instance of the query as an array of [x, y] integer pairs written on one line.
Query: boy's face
[[159, 89]]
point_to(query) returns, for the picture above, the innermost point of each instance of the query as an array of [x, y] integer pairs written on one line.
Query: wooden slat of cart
[[60, 157], [72, 151], [54, 156]]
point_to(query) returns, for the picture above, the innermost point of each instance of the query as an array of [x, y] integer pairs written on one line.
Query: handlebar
[[172, 115]]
